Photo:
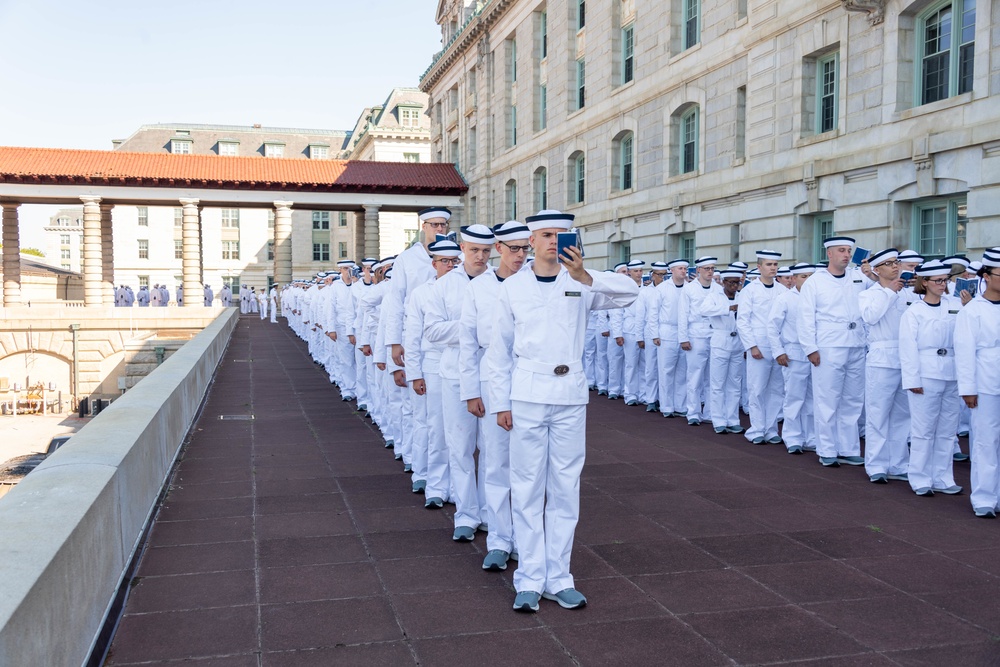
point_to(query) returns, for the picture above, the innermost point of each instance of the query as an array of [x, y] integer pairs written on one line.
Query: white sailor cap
[[346, 263], [910, 256], [956, 259], [369, 261], [658, 266], [882, 256], [636, 264], [975, 266], [550, 219], [478, 234], [434, 212], [991, 257], [384, 262], [619, 266], [768, 254], [677, 262], [529, 258], [754, 273], [739, 266], [802, 267], [705, 261], [784, 272], [512, 230], [933, 268], [444, 248], [388, 273], [731, 273], [838, 241]]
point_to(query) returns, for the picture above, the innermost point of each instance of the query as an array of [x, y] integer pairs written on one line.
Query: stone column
[[191, 253], [93, 268], [371, 231], [358, 234], [282, 242], [201, 255], [11, 256], [107, 255]]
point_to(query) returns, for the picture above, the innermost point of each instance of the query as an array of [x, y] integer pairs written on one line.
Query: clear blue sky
[[77, 74]]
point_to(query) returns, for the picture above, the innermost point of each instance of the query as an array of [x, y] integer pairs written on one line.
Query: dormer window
[[180, 146], [319, 151], [409, 116], [274, 149], [229, 148]]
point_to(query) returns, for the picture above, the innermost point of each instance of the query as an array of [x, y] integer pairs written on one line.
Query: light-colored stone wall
[[763, 178], [73, 525]]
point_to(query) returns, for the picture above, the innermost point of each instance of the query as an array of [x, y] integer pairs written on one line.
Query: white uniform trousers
[[650, 392], [601, 362], [616, 368], [345, 364], [745, 394], [461, 433], [494, 457], [933, 423], [393, 413], [361, 376], [726, 370], [887, 422], [671, 370], [631, 369], [263, 310], [798, 429], [404, 442], [547, 451], [837, 400], [765, 387], [590, 357], [374, 390], [274, 314], [418, 435], [698, 375], [964, 417], [984, 446], [438, 470]]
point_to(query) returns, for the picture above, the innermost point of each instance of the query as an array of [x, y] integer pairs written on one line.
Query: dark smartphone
[[567, 239], [907, 276]]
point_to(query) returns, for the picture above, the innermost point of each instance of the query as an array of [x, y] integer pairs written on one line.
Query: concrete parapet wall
[[72, 526]]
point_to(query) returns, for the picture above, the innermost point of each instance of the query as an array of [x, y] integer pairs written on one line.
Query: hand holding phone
[[566, 240]]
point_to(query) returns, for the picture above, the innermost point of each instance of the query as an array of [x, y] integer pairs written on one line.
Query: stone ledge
[[72, 526]]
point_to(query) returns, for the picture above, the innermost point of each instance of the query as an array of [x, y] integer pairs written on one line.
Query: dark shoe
[[694, 422], [569, 598], [434, 503], [960, 457], [794, 449], [757, 441], [720, 429], [419, 486], [526, 601], [735, 429], [464, 534], [829, 462], [985, 512], [774, 440], [879, 478]]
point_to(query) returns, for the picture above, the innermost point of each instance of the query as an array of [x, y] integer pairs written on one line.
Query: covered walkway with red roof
[[102, 179]]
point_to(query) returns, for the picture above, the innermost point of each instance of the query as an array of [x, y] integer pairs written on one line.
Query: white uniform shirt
[[926, 342], [881, 309], [475, 331], [977, 348], [690, 322], [722, 321], [540, 326], [666, 311], [422, 357], [411, 268], [829, 314], [756, 300], [782, 326], [443, 318]]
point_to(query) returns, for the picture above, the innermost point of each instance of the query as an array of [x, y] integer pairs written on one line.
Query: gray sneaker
[[879, 478], [568, 598], [496, 560], [899, 476], [464, 534], [950, 491], [526, 601], [851, 460]]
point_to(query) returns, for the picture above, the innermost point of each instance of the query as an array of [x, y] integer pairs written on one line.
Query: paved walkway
[[293, 539]]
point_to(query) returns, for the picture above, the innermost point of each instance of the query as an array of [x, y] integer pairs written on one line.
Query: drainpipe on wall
[[76, 367]]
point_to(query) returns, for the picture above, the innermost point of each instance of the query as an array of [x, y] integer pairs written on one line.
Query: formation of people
[[450, 355], [158, 296]]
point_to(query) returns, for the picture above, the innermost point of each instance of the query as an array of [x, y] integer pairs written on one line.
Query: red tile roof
[[119, 168]]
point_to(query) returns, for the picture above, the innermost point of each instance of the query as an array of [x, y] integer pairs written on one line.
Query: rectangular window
[[411, 157], [626, 163], [581, 83], [628, 53], [473, 211], [321, 252], [178, 249], [687, 248], [947, 46], [64, 253], [229, 148], [822, 230], [544, 28], [543, 107], [230, 218], [143, 281], [321, 219], [741, 122], [689, 142], [143, 249], [143, 213], [270, 219], [473, 146], [513, 60], [541, 189], [274, 150], [319, 152], [827, 85], [178, 217], [692, 23], [940, 227], [64, 239], [580, 179], [511, 200], [342, 218], [230, 250], [342, 250], [409, 116], [581, 14], [513, 126], [270, 250], [454, 153], [180, 147]]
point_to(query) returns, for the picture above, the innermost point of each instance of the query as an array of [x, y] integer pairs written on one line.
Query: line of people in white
[[158, 296]]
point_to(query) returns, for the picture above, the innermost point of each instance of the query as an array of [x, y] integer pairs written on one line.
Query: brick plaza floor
[[293, 539]]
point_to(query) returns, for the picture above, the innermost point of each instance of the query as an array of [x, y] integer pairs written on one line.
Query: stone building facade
[[691, 127]]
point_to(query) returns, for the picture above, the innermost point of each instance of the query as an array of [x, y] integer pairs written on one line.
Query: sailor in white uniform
[[927, 358], [765, 385], [366, 281], [539, 392], [649, 302], [977, 360], [180, 295], [272, 299], [832, 336], [143, 296], [671, 367], [209, 295], [887, 409], [616, 348], [226, 296], [722, 310], [475, 334], [343, 321], [262, 303], [694, 334], [798, 430], [627, 329]]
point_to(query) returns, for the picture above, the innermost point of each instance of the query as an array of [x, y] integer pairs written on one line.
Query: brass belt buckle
[[561, 369]]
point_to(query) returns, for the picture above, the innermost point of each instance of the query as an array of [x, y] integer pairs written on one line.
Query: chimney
[[256, 126]]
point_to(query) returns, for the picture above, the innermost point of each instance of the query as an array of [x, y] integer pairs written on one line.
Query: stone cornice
[[465, 39]]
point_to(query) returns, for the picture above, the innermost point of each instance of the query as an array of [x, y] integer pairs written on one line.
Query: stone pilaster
[[93, 268], [11, 256], [282, 242], [191, 253], [358, 234], [371, 231], [107, 255]]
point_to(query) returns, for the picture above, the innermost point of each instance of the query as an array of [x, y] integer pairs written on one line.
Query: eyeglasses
[[517, 248], [889, 263], [937, 281], [448, 260], [437, 225]]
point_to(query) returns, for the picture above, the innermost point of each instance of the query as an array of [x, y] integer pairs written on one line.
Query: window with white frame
[[411, 157], [409, 116], [510, 192], [319, 152], [142, 212], [178, 217], [687, 141], [143, 281], [692, 23], [342, 218], [229, 148], [581, 14], [230, 218], [178, 249], [64, 239], [827, 92], [180, 146], [946, 42], [939, 227], [230, 250], [143, 248], [342, 250], [686, 247], [65, 253], [274, 150], [270, 250], [628, 53], [270, 219], [541, 182], [543, 107], [321, 219]]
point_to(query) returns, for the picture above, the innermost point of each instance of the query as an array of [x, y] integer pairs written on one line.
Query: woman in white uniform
[[977, 357], [927, 358]]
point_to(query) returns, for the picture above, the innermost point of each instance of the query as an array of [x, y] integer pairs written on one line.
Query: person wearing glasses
[[832, 335], [887, 409], [538, 391], [463, 432], [474, 334], [977, 358], [927, 359]]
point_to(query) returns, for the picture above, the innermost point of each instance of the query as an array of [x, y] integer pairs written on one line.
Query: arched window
[[577, 178], [946, 42], [687, 140], [541, 189], [510, 192], [624, 161]]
